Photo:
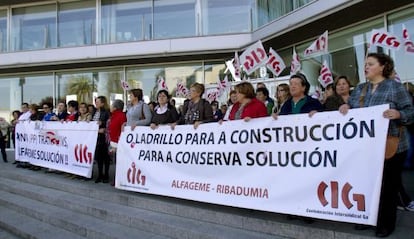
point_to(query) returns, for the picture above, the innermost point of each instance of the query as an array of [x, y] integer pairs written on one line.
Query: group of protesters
[[244, 103]]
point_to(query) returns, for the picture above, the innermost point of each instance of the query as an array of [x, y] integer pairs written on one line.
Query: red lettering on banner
[[134, 174], [242, 191], [190, 185], [346, 189]]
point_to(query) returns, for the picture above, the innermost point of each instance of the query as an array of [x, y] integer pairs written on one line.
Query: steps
[[38, 205]]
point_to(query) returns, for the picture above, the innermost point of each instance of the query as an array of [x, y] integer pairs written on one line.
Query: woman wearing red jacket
[[118, 118], [247, 106]]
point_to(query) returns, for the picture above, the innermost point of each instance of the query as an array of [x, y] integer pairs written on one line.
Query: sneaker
[[410, 206]]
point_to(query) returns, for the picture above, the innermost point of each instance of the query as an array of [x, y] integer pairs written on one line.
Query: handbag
[[142, 116], [392, 142], [391, 146]]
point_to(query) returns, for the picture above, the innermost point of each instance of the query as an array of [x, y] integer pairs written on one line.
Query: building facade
[[78, 49]]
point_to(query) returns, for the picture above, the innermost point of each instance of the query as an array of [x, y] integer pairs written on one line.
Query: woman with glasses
[[282, 95], [48, 112]]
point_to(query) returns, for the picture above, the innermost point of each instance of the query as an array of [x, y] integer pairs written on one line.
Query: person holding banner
[[139, 113], [196, 110], [164, 112], [48, 110], [380, 89], [101, 152], [299, 102], [247, 105]]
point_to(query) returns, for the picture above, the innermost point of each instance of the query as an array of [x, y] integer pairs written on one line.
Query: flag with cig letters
[[212, 94], [384, 39], [295, 65], [408, 44], [125, 85], [236, 65], [162, 84], [182, 90], [275, 63], [320, 45], [325, 76], [253, 57], [223, 85]]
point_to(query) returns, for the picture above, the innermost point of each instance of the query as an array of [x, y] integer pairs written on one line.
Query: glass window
[[76, 23], [10, 96], [174, 19], [37, 89], [3, 30], [85, 86], [146, 78], [231, 16], [33, 27], [402, 60], [126, 20]]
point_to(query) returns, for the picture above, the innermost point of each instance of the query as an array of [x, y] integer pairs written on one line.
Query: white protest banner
[[67, 146], [321, 167], [253, 57]]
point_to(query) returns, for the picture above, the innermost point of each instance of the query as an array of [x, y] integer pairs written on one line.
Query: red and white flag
[[408, 44], [295, 64], [325, 77], [384, 39], [317, 94], [236, 65], [223, 85], [125, 85], [253, 57], [181, 91], [212, 94], [161, 84], [320, 45], [275, 63]]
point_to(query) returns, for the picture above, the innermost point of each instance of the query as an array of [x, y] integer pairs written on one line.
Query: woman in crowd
[[34, 112], [196, 110], [48, 112], [262, 94], [247, 106], [4, 127], [13, 122], [101, 153], [139, 113], [380, 89], [299, 102], [282, 95], [73, 107], [164, 112], [232, 100], [116, 121], [342, 89], [217, 114], [84, 114]]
